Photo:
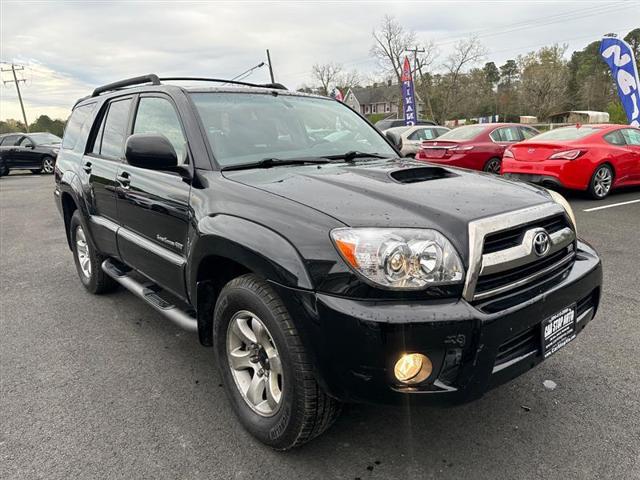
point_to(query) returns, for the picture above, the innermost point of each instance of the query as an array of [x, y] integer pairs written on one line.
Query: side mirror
[[29, 145], [150, 150], [395, 139]]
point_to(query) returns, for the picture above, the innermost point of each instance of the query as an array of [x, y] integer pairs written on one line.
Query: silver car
[[408, 139]]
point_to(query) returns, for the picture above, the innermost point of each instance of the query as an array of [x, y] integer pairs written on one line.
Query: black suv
[[322, 268], [28, 151]]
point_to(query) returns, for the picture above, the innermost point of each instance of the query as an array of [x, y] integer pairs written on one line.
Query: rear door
[[9, 148], [100, 167], [153, 205]]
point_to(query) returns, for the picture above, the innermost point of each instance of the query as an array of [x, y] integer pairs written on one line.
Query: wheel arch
[[228, 247]]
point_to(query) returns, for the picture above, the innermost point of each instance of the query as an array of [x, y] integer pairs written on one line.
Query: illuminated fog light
[[413, 368]]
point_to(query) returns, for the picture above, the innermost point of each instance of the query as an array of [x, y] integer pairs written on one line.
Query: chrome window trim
[[479, 229], [154, 248]]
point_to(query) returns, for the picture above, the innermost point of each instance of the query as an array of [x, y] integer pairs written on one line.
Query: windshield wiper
[[276, 162], [351, 155]]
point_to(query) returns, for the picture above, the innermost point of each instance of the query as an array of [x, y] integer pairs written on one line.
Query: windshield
[[248, 127], [463, 133], [567, 133], [44, 138]]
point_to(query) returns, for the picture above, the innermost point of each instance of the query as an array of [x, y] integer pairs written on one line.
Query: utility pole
[[270, 67], [418, 67], [17, 82]]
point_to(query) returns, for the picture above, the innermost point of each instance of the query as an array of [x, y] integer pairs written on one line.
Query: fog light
[[413, 368]]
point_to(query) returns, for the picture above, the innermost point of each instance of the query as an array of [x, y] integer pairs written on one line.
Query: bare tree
[[348, 80], [391, 42], [466, 54], [327, 74]]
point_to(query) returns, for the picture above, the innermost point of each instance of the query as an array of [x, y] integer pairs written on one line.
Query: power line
[[17, 81]]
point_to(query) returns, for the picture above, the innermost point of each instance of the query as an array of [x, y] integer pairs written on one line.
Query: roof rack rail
[[278, 86], [150, 78]]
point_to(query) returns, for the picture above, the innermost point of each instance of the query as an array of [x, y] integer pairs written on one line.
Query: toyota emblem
[[541, 243]]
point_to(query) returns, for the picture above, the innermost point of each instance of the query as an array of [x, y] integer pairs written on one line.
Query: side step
[[178, 316]]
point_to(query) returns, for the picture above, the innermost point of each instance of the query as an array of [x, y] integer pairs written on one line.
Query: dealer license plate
[[558, 330]]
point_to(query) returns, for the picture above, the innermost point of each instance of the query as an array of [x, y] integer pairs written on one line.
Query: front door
[[153, 206], [26, 155], [632, 139]]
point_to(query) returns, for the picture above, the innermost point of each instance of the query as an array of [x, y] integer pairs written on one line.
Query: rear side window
[[75, 124], [632, 136], [157, 115], [113, 131], [615, 138], [528, 133], [11, 140], [423, 134], [506, 134]]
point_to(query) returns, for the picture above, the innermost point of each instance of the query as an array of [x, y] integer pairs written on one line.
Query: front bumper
[[354, 344]]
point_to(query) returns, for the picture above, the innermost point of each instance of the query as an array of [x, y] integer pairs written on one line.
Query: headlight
[[400, 259], [567, 208]]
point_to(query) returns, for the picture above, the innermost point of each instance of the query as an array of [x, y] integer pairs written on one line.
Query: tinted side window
[[528, 133], [632, 136], [75, 124], [615, 138], [506, 134], [157, 115], [25, 142], [115, 129], [11, 140], [423, 134]]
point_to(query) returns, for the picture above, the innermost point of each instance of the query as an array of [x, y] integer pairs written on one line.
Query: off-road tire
[[98, 281], [305, 410]]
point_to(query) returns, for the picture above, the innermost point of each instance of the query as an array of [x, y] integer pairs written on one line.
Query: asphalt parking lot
[[103, 387]]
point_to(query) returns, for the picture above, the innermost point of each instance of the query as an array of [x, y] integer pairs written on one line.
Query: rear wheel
[[493, 166], [601, 182], [265, 370], [48, 164], [88, 261]]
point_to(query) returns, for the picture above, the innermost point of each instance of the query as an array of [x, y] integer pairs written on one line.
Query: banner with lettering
[[408, 97], [619, 56]]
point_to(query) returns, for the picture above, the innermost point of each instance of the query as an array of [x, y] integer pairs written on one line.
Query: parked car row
[[592, 158], [28, 151]]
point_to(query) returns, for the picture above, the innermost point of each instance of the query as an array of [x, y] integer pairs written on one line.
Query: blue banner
[[619, 56], [408, 97]]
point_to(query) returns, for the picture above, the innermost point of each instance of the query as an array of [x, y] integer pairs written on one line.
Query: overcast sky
[[68, 48]]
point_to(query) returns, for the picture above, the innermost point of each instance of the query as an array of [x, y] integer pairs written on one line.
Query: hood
[[396, 193]]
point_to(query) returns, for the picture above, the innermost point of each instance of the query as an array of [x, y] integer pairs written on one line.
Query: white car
[[408, 139]]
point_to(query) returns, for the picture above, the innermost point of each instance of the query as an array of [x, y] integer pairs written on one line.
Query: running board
[[178, 316]]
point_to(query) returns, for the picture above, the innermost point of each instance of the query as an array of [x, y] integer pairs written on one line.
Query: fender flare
[[70, 185], [254, 246]]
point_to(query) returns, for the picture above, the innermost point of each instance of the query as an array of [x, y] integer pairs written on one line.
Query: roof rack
[[154, 80], [150, 78], [278, 86]]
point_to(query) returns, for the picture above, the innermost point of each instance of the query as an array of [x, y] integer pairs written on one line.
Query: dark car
[[387, 123], [478, 147], [28, 151], [321, 268]]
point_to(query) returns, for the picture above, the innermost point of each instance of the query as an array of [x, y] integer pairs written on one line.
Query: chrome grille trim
[[528, 279], [522, 254], [479, 229]]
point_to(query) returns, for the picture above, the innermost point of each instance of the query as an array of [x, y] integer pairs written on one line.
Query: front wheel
[[493, 165], [4, 170], [48, 165], [265, 370], [601, 181]]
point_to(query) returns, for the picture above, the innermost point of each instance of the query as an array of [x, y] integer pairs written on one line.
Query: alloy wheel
[[493, 166], [82, 250], [47, 165], [602, 181], [255, 363]]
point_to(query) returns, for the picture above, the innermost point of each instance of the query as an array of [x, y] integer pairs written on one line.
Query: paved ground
[[103, 387]]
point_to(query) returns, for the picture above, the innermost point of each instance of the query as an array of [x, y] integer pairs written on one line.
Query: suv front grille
[[511, 237]]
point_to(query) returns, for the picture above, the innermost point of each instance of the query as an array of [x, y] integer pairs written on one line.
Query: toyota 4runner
[[321, 267]]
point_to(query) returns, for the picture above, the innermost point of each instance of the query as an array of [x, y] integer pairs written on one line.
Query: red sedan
[[478, 147], [595, 158]]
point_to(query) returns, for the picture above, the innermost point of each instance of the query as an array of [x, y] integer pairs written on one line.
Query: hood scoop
[[420, 174]]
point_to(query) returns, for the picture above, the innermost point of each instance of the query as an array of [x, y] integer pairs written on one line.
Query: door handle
[[124, 179], [87, 167]]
